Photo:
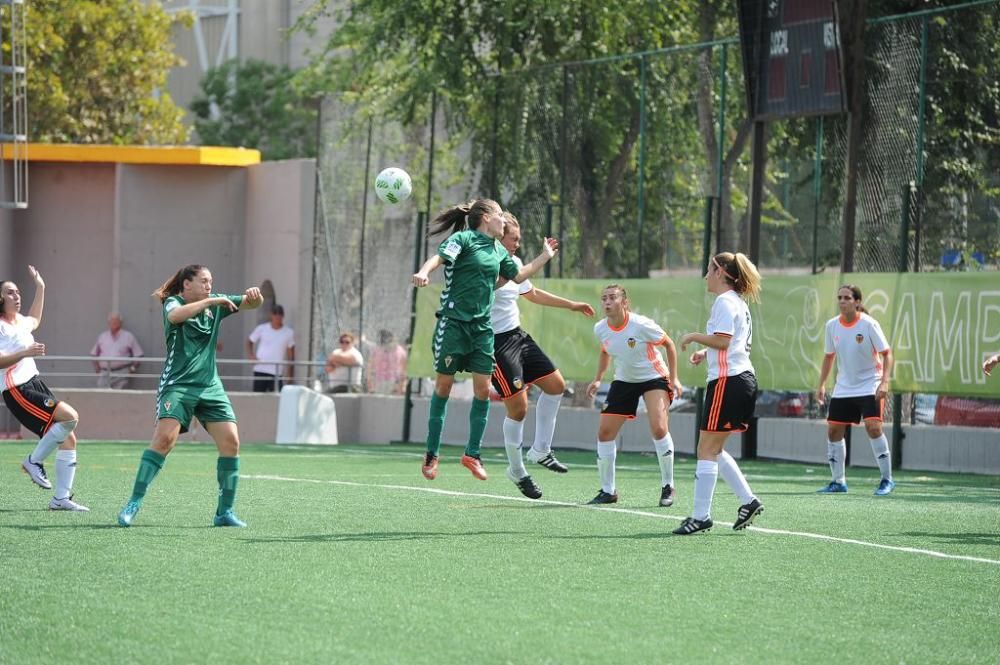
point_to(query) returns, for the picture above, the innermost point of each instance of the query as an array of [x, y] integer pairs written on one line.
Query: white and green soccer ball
[[393, 185]]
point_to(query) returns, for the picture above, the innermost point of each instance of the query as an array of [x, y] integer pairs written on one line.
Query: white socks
[[607, 451], [836, 453], [50, 440], [546, 409], [880, 448], [730, 472], [665, 456], [65, 472], [513, 433], [705, 477]]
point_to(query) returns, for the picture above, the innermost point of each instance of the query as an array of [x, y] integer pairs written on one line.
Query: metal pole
[[706, 256], [407, 399], [430, 168], [897, 398], [817, 188], [548, 234], [496, 129], [563, 154], [720, 157], [642, 163], [364, 219]]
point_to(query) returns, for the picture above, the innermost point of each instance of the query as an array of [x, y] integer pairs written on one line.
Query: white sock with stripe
[[705, 477], [880, 448], [546, 410], [65, 472], [836, 453], [607, 451], [513, 433], [730, 472], [665, 456], [57, 433]]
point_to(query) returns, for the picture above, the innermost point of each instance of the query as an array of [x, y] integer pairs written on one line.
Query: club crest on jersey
[[631, 342], [49, 402], [447, 361], [518, 383], [859, 338], [166, 405], [209, 314]]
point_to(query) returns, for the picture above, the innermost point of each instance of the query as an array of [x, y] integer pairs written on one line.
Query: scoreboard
[[792, 58]]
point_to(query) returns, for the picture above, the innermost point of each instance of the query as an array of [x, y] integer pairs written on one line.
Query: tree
[[93, 69], [255, 105]]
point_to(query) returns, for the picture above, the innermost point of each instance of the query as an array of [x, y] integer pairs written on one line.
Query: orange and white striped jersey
[[730, 316], [634, 348], [859, 346], [16, 337]]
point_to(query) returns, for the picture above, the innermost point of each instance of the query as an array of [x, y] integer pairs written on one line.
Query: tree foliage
[[93, 69], [255, 105]]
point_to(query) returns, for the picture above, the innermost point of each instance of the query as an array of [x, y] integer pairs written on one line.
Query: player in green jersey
[[474, 260], [190, 385]]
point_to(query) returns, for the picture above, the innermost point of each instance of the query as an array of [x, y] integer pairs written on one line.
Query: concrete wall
[[104, 236]]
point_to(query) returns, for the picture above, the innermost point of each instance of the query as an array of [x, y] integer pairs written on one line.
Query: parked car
[[782, 404]]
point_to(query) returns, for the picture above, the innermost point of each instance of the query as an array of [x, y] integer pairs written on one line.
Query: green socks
[[228, 472], [435, 423], [149, 465], [478, 415]]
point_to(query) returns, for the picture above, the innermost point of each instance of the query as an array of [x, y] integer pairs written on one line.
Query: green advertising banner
[[941, 326]]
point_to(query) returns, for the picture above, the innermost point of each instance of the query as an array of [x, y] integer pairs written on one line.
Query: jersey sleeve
[[508, 268], [828, 347], [879, 341], [451, 247], [225, 311], [722, 319], [526, 286], [169, 305], [650, 331]]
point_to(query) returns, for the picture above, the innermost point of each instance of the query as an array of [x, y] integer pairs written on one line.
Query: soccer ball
[[393, 185]]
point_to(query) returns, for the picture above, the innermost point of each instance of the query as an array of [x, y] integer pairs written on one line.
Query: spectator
[[343, 366], [387, 367], [115, 342], [268, 343]]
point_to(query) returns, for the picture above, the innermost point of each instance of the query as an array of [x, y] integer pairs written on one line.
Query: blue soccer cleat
[[127, 514], [833, 488], [228, 519], [885, 487]]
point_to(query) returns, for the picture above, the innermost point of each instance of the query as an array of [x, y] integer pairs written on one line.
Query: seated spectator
[[387, 366], [344, 365], [115, 342], [270, 342]]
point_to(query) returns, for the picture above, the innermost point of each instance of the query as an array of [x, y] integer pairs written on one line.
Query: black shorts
[[850, 410], [518, 362], [623, 397], [33, 404], [729, 403]]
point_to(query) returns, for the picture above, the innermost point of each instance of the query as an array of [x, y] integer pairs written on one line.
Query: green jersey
[[473, 263], [191, 345]]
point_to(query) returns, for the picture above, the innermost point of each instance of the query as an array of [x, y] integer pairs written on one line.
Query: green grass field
[[351, 556]]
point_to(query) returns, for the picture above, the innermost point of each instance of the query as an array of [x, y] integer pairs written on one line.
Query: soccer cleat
[[526, 485], [667, 496], [36, 472], [691, 525], [430, 467], [885, 487], [833, 488], [746, 513], [67, 504], [604, 497], [228, 518], [475, 465], [127, 514], [548, 460]]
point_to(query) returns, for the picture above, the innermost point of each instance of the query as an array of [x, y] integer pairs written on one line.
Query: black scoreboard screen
[[792, 59]]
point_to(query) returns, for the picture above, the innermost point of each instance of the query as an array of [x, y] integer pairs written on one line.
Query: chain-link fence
[[627, 159]]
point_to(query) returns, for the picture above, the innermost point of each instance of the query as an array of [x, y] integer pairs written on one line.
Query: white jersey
[[271, 344], [505, 314], [16, 337], [858, 346], [730, 316], [633, 347]]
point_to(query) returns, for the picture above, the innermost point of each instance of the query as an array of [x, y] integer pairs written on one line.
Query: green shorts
[[181, 403], [463, 346]]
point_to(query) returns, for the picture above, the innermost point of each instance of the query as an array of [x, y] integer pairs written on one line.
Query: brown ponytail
[[465, 215], [175, 284]]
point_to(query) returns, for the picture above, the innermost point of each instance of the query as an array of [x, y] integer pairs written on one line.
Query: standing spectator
[[115, 342], [387, 366], [270, 342], [343, 366]]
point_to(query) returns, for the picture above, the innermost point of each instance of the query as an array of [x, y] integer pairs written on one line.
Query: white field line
[[627, 511]]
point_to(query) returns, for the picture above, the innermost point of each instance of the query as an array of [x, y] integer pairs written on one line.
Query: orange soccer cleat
[[475, 465]]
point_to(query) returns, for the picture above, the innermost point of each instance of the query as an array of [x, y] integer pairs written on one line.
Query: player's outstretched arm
[[252, 299], [423, 276], [11, 359], [38, 303], [718, 342], [546, 299], [549, 248], [182, 313]]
